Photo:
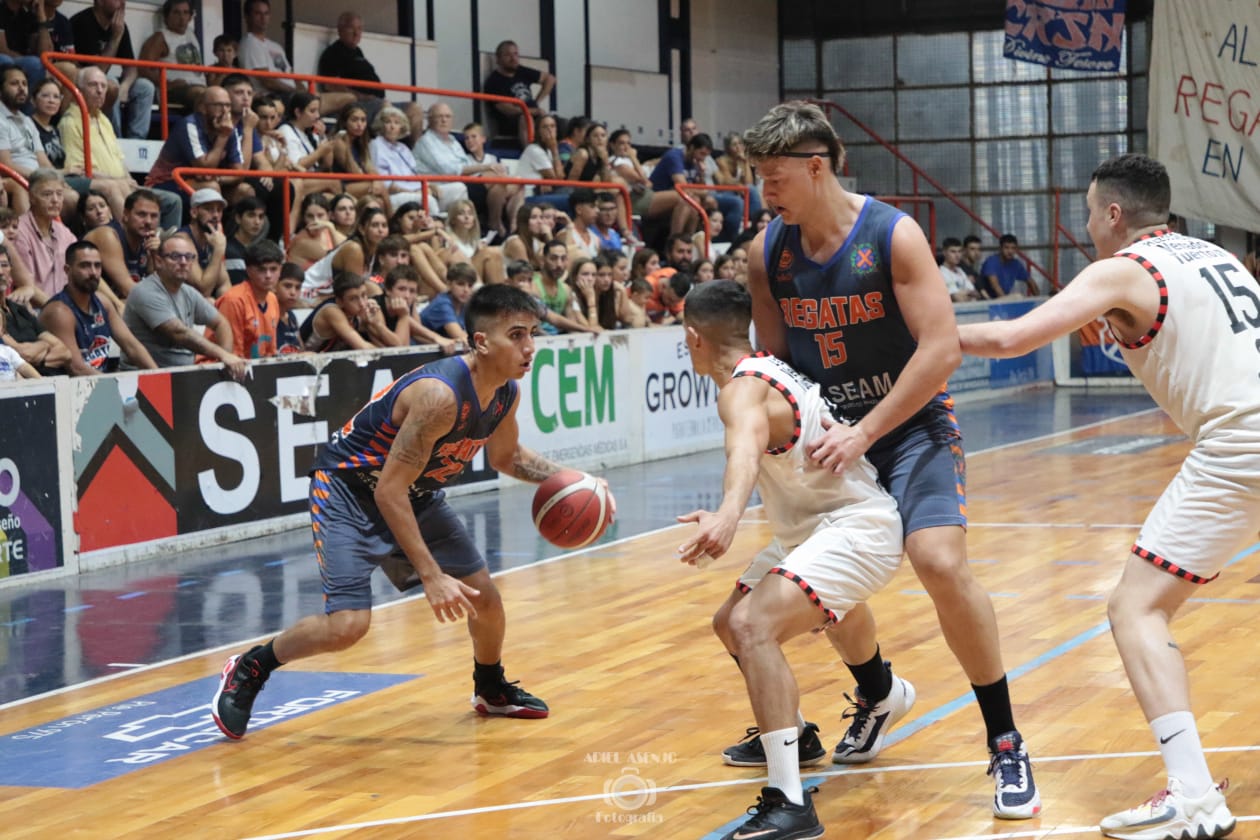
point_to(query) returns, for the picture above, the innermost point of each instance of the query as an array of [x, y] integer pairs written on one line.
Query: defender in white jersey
[[1188, 316], [836, 542]]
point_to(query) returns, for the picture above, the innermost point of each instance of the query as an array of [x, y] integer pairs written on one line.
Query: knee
[[746, 630], [488, 600], [348, 627], [941, 569], [142, 88]]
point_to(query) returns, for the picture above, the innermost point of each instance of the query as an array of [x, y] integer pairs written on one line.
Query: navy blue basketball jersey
[[844, 327], [357, 450], [91, 330]]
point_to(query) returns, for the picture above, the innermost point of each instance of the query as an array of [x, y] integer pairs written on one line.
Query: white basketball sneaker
[[1171, 815], [870, 722]]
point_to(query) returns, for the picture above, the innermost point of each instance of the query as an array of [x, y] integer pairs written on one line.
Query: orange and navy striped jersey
[[358, 449]]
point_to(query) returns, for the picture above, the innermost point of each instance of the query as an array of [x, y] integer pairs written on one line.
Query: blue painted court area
[[111, 741]]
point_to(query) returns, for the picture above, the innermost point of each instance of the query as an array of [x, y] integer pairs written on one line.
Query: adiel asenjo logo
[[628, 792]]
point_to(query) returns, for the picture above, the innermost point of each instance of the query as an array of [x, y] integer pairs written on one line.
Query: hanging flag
[[1070, 34]]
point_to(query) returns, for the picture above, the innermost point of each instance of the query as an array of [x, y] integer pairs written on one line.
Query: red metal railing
[[684, 189], [899, 201], [10, 172], [310, 79], [1060, 230], [918, 174], [180, 173]]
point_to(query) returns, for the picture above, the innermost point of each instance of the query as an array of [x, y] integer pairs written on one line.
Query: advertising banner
[[1204, 108], [577, 403], [1069, 34], [30, 498], [679, 406]]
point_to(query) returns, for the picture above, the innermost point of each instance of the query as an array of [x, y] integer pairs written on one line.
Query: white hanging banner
[[1204, 109]]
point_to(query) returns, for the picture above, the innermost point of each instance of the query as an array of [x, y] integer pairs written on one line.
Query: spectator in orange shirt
[[665, 304], [251, 307]]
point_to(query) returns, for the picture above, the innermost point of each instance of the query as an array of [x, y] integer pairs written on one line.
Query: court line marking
[[811, 778]]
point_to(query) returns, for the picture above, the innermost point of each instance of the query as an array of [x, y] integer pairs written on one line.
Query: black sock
[[995, 706], [874, 678], [487, 675], [265, 656]]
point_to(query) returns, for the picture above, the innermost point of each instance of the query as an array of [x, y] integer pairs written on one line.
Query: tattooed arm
[[424, 412], [505, 453]]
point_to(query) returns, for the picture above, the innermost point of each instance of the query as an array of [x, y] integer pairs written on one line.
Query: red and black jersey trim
[[1169, 566], [787, 395], [1160, 315], [808, 590]]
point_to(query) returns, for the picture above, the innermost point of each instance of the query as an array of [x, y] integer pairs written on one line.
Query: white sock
[[800, 721], [1179, 744], [783, 763]]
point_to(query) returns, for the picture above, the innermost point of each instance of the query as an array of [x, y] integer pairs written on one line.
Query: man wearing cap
[[209, 274], [165, 313], [206, 138]]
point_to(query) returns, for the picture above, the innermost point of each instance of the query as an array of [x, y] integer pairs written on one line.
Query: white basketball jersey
[[799, 495], [1200, 360]]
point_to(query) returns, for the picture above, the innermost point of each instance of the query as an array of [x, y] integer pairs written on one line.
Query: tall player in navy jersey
[[1187, 316], [846, 288], [377, 500]]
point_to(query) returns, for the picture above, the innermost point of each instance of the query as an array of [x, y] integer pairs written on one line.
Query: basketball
[[572, 509]]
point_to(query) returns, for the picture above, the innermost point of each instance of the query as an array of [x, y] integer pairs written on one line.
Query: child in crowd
[[288, 293]]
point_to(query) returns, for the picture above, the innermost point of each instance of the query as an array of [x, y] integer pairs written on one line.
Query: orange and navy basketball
[[572, 509]]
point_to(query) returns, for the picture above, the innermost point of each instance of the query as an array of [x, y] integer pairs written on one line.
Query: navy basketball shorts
[[922, 466], [352, 539]]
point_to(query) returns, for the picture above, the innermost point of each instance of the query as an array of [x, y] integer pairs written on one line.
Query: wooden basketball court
[[644, 699]]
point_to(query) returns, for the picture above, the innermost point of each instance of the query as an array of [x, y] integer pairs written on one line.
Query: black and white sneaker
[[871, 722], [1015, 796], [508, 699], [750, 753], [775, 817]]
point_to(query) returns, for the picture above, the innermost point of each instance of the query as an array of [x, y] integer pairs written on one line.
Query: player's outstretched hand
[[448, 598], [839, 447], [712, 540]]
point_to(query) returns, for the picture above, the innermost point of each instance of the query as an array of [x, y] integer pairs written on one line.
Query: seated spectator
[[357, 255], [258, 52], [678, 256], [20, 146], [551, 280], [127, 248], [109, 168], [466, 244], [724, 267], [349, 320], [30, 29], [272, 155], [701, 271], [956, 281], [42, 239], [646, 202], [14, 367], [698, 243], [439, 153], [205, 231], [344, 59], [401, 291], [391, 156], [521, 275], [249, 217], [20, 329], [591, 160], [315, 234], [251, 307], [684, 166], [17, 276], [428, 243], [971, 259], [288, 296], [206, 138], [739, 259], [756, 224], [445, 313], [574, 136], [583, 299], [94, 211], [735, 169], [611, 298], [495, 200], [646, 261], [344, 212], [639, 291], [303, 136], [225, 49], [580, 235], [164, 312], [96, 32], [541, 159], [731, 204], [175, 43], [665, 303], [605, 227], [85, 322], [527, 239], [352, 153], [509, 78], [619, 264], [1003, 270]]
